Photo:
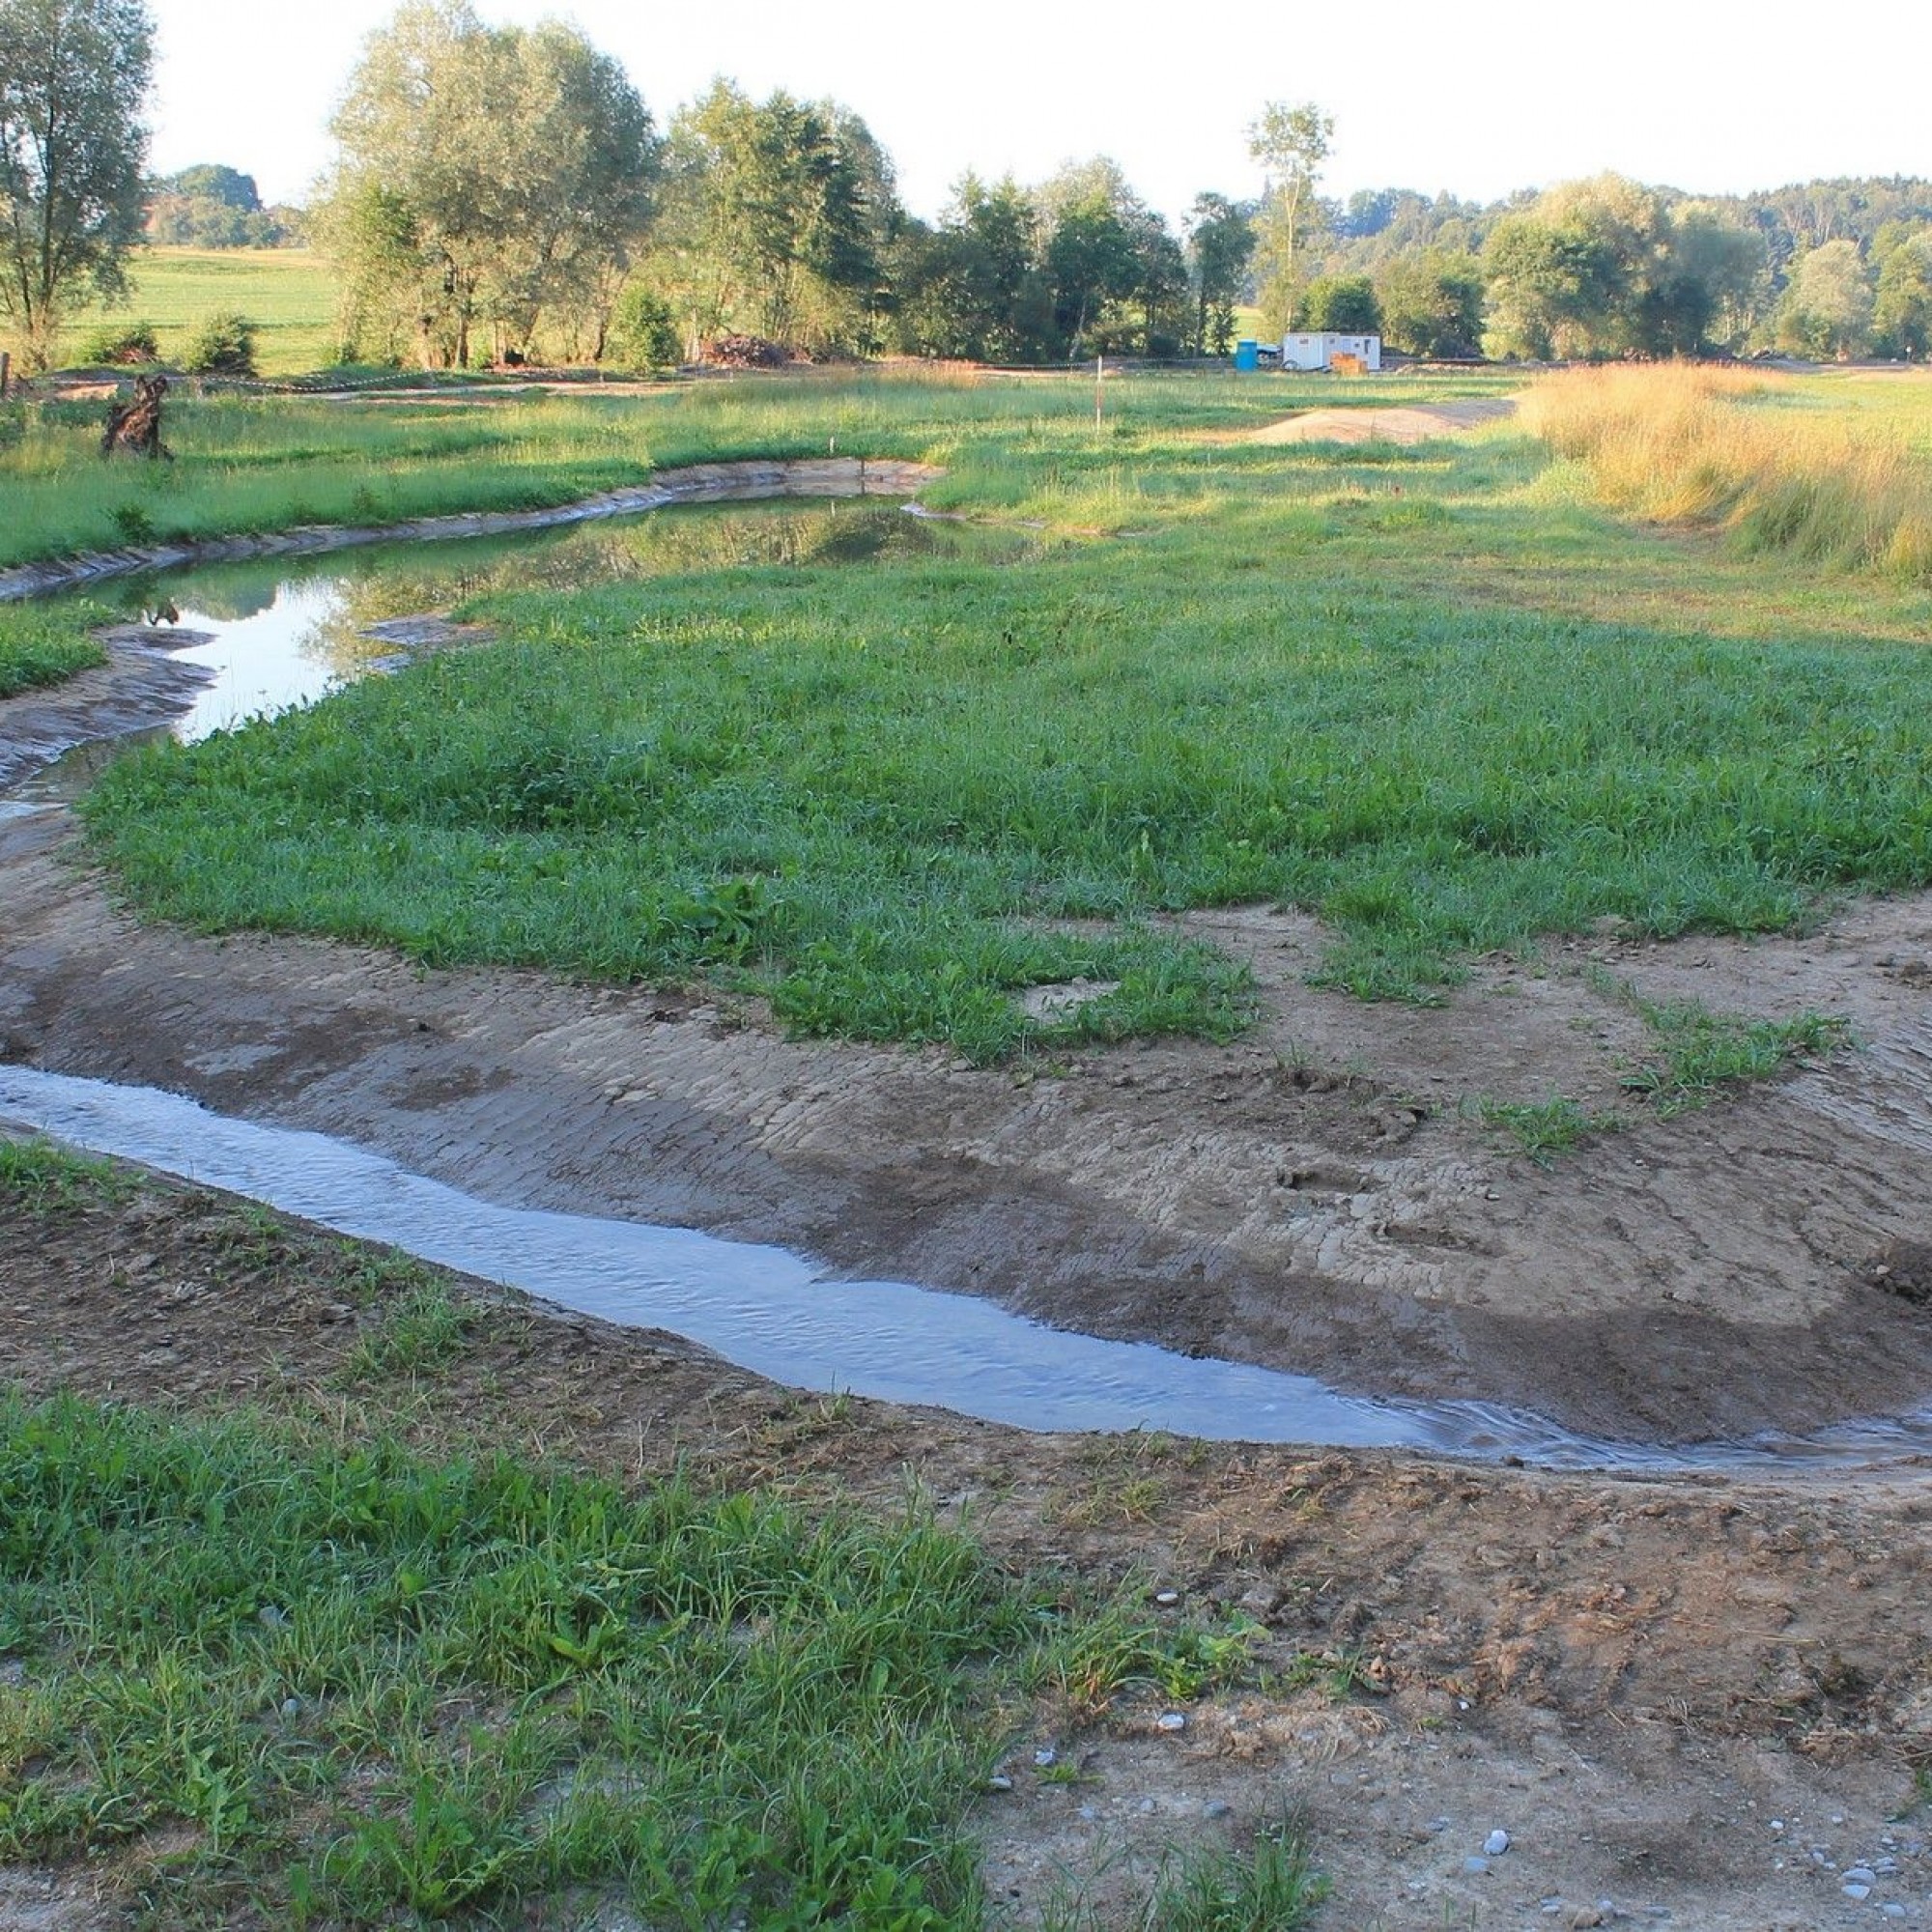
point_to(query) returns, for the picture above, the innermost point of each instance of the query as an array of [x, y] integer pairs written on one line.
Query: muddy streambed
[[1307, 1236], [778, 1315]]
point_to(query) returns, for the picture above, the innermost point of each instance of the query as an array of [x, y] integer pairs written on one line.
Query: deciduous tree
[[490, 177], [74, 77], [1220, 245]]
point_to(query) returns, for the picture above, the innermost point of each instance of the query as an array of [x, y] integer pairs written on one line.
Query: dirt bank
[[1315, 1197], [1670, 1694], [139, 687], [1405, 423]]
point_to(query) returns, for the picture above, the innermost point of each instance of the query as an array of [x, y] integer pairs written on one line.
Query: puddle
[[774, 1313], [282, 633]]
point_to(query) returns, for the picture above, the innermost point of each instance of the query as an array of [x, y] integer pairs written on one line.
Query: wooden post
[[1099, 378], [6, 370]]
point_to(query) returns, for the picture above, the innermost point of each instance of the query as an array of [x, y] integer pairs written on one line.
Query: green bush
[[642, 335], [221, 345], [121, 344]]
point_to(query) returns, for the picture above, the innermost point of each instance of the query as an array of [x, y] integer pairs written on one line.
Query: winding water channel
[[270, 633]]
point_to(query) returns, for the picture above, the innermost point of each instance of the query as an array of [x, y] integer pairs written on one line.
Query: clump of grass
[[1736, 450], [314, 1682], [1700, 1054], [1270, 1890], [418, 1334], [1545, 1128], [38, 650], [38, 1177]]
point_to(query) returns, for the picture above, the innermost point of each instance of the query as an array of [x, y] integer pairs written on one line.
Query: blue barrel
[[1247, 355]]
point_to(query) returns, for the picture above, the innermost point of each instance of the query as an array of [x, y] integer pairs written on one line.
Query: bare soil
[[1633, 1678], [1403, 423]]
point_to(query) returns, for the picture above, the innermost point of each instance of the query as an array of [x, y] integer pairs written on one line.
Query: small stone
[[292, 1707], [998, 1782], [272, 1618], [1045, 1757], [1475, 1867], [1146, 1807], [1857, 1891], [1778, 1824], [1088, 1813], [1217, 1807], [1497, 1844], [1885, 1867], [1167, 1599], [1169, 1720], [1892, 1909], [1861, 1875], [1436, 1825]]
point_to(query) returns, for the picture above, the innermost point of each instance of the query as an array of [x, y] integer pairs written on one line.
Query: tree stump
[[136, 426]]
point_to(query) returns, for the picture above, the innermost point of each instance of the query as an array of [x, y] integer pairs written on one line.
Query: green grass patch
[[1700, 1054], [38, 648], [1545, 1128], [337, 1683], [41, 1178]]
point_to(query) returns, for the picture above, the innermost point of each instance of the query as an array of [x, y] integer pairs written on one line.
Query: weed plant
[[334, 1683]]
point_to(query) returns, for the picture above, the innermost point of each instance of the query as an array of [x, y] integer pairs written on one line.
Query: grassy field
[[1437, 695], [288, 295]]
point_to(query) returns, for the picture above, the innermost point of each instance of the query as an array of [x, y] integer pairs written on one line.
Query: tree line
[[504, 193]]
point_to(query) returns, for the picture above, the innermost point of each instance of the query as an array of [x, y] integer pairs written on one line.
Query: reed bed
[[1753, 454]]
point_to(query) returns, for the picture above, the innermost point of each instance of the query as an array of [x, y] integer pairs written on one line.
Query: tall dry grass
[[1714, 447]]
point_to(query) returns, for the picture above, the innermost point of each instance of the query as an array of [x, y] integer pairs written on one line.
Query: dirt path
[[1315, 1197], [1405, 423], [1670, 1694]]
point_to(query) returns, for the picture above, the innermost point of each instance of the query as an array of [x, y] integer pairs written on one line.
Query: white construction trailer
[[1318, 348]]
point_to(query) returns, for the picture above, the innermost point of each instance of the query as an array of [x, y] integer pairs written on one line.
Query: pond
[[285, 632]]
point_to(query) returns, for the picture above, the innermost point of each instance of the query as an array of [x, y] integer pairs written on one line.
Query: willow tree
[[488, 178], [74, 77], [777, 218]]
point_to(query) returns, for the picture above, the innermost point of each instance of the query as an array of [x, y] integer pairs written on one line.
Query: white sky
[[1709, 98]]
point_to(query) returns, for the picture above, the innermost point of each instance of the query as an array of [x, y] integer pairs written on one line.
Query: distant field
[[288, 295]]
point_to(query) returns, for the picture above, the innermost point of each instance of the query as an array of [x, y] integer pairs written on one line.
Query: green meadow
[[1446, 696], [288, 295]]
